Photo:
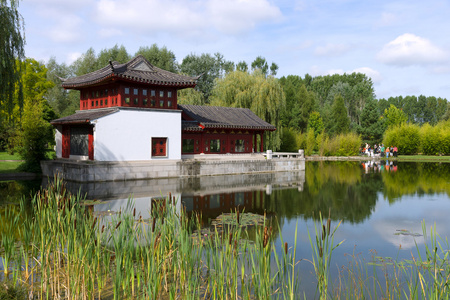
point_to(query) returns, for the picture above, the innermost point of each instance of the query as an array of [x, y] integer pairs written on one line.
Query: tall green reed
[[322, 249]]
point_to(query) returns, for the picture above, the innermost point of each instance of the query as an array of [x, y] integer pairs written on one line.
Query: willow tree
[[263, 95], [11, 49]]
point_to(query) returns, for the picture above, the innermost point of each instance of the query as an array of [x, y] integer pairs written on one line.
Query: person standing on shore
[[382, 150], [395, 151], [387, 152]]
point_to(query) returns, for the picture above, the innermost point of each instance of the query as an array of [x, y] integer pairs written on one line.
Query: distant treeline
[[328, 106]]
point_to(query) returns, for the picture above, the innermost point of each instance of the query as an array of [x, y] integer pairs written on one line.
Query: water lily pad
[[407, 232], [231, 219]]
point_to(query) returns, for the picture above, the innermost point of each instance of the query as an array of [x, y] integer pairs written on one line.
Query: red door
[[65, 141]]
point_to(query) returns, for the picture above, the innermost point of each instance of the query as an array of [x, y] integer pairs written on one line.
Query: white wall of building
[[127, 134], [58, 141]]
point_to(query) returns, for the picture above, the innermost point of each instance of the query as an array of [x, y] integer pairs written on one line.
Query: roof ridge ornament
[[111, 65]]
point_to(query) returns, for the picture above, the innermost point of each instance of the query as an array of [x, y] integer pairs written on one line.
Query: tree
[[209, 67], [355, 88], [372, 126], [339, 122], [299, 103], [64, 102], [242, 66], [261, 64], [115, 53], [11, 51], [263, 95], [159, 57], [86, 63], [394, 116], [190, 96], [310, 141], [315, 123], [273, 69], [33, 137], [36, 132]]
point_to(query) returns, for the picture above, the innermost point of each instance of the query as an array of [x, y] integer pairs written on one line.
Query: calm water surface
[[381, 205]]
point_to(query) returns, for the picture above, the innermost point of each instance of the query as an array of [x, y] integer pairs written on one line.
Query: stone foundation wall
[[87, 171]]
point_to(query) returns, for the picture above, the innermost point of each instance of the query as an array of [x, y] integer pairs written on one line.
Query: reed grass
[[63, 251]]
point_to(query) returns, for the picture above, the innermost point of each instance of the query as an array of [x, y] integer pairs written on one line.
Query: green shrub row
[[412, 139], [346, 144], [341, 145]]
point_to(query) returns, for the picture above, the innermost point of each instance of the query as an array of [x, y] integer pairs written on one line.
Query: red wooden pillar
[[91, 143], [262, 141], [228, 147], [202, 146]]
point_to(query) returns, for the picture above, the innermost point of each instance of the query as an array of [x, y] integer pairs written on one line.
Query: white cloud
[[111, 32], [373, 74], [185, 18], [73, 56], [235, 16], [409, 49], [62, 5], [441, 69], [67, 29], [331, 50]]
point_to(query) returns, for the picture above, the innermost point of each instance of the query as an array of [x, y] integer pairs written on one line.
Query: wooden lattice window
[[159, 147]]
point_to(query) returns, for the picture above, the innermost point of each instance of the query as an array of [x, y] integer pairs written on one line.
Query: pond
[[381, 205]]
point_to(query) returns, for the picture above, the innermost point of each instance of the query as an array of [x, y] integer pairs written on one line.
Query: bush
[[289, 140], [301, 140], [342, 145], [444, 133], [405, 136], [348, 144], [322, 141], [31, 142], [430, 140], [310, 141]]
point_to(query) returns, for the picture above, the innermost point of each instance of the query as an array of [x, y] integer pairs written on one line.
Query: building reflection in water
[[209, 196]]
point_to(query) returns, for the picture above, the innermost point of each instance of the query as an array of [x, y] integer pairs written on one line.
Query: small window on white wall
[[159, 147]]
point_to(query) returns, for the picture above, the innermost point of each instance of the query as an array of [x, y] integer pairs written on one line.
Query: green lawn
[[9, 167], [425, 158], [5, 156]]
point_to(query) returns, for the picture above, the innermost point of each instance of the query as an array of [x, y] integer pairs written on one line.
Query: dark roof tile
[[138, 69], [84, 116], [225, 117]]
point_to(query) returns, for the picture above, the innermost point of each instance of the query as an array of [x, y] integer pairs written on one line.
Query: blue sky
[[404, 46]]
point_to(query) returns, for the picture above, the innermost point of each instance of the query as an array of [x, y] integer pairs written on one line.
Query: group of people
[[380, 150]]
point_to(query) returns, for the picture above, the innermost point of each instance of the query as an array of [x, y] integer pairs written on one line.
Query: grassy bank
[[14, 164], [9, 163], [422, 158]]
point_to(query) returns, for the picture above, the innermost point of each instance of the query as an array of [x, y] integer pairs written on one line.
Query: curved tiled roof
[[138, 70], [222, 117], [84, 116]]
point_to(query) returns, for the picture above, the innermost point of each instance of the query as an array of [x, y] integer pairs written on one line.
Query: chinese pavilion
[[130, 112]]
